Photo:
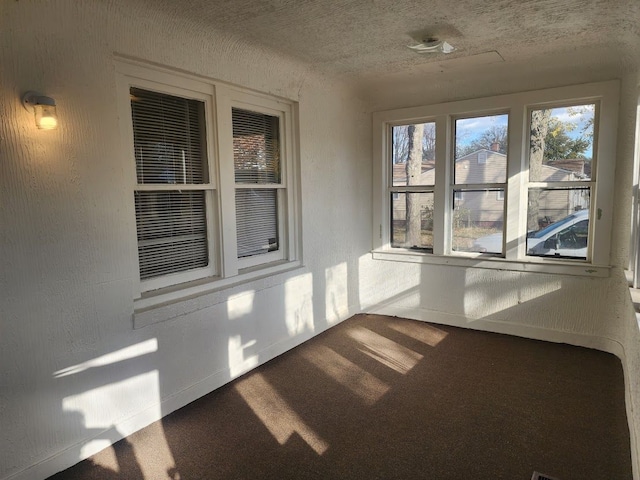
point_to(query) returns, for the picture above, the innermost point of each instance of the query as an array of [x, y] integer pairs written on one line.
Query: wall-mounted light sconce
[[44, 109]]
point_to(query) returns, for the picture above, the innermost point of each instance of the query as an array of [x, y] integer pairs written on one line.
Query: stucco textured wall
[[75, 374]]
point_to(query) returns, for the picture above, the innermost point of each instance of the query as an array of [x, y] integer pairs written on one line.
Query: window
[[256, 158], [412, 171], [515, 181], [215, 195], [561, 177], [478, 213], [170, 153]]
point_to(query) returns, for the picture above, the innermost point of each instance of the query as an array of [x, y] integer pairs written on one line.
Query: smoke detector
[[432, 45]]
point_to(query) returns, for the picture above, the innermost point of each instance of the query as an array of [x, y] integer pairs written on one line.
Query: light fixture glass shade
[[432, 45], [46, 116], [44, 109]]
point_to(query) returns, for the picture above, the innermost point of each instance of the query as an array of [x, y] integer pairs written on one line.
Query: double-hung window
[[215, 191], [479, 178], [412, 184], [173, 192], [258, 185], [521, 181]]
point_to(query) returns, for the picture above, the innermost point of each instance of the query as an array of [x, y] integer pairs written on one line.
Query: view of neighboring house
[[485, 208]]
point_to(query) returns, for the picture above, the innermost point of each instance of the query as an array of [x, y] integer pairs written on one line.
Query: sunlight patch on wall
[[346, 373], [274, 412], [298, 302], [419, 331], [487, 295], [142, 348], [386, 351], [100, 409], [238, 364], [336, 293], [100, 405], [240, 304]]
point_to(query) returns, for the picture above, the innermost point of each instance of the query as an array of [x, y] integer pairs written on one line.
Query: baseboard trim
[[604, 344]]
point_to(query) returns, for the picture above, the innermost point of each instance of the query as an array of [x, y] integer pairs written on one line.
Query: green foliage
[[559, 145]]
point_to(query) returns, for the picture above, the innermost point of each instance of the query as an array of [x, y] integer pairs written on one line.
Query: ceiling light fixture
[[432, 45]]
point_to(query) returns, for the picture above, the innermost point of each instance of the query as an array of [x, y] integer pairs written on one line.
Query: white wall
[[75, 375]]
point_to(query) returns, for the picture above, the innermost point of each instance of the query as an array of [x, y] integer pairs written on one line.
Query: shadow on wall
[[228, 340]]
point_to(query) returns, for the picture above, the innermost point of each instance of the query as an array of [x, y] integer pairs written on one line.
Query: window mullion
[[227, 197], [516, 194], [442, 200]]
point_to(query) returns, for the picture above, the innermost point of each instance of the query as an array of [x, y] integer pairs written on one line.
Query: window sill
[[172, 302], [546, 266]]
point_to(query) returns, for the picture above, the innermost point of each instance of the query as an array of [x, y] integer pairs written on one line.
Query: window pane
[[256, 147], [413, 154], [169, 138], [172, 232], [256, 221], [412, 220], [561, 144], [558, 222], [477, 222], [481, 149]]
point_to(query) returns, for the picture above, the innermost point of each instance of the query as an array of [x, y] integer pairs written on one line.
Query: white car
[[565, 238]]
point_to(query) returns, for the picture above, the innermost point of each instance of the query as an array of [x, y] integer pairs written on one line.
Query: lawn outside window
[[516, 182], [214, 183]]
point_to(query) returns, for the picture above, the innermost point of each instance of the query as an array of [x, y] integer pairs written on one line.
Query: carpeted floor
[[386, 398]]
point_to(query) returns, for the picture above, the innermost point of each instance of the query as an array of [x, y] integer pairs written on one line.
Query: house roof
[[475, 152]]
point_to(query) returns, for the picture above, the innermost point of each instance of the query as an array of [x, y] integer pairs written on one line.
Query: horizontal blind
[[256, 147], [169, 138], [172, 231], [256, 221]]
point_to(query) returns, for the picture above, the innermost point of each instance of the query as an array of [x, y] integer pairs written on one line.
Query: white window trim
[[225, 268], [518, 105]]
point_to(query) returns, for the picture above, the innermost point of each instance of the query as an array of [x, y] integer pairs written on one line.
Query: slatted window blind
[[256, 221], [170, 149], [172, 232], [256, 155], [256, 150], [169, 138]]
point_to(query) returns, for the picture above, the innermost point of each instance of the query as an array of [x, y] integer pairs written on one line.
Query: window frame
[[518, 106], [224, 267]]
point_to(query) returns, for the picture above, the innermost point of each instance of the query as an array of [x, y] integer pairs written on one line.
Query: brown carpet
[[386, 398]]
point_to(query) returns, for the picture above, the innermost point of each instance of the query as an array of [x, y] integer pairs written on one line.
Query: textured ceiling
[[365, 40]]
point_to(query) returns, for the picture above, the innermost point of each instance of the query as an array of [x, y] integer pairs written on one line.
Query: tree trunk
[[414, 169], [539, 127]]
